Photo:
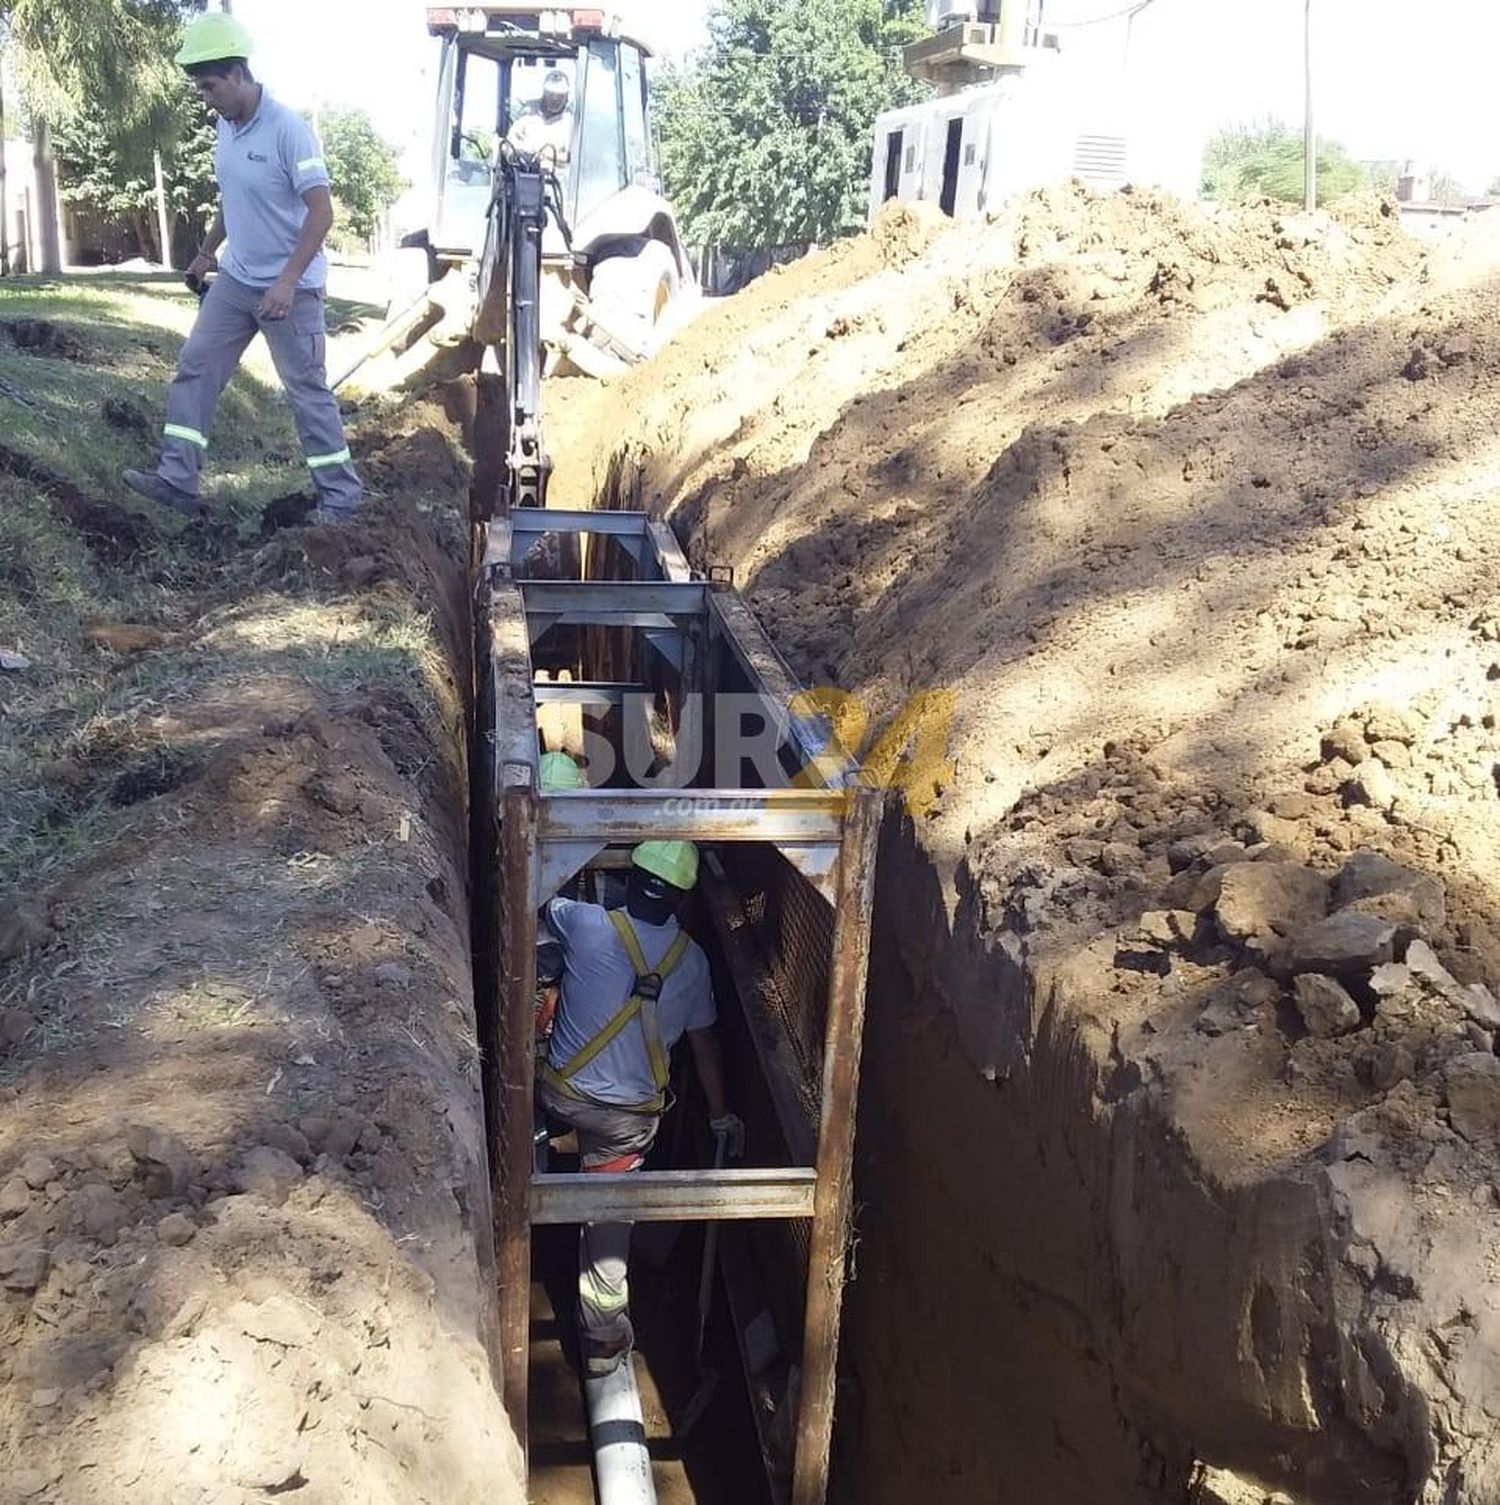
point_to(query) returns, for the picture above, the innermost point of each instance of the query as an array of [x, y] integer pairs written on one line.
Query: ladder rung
[[621, 815], [577, 520], [628, 597], [673, 1196], [587, 692]]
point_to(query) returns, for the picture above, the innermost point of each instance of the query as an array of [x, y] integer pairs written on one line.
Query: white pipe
[[622, 1466]]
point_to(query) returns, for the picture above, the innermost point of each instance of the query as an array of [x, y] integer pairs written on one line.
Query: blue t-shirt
[[264, 167], [596, 982]]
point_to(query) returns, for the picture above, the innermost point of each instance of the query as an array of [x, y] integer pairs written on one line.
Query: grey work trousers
[[608, 1139], [226, 324]]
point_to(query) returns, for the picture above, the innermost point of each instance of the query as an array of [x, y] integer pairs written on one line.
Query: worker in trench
[[630, 984], [276, 212]]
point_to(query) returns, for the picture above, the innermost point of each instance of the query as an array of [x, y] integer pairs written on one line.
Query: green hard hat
[[559, 771], [212, 38], [674, 861]]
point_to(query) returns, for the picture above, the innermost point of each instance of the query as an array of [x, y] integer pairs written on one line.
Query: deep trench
[[1048, 1300], [962, 1375]]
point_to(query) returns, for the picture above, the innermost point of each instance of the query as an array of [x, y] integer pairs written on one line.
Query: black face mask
[[650, 899]]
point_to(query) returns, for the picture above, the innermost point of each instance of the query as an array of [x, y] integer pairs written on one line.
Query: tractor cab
[[563, 92], [497, 60]]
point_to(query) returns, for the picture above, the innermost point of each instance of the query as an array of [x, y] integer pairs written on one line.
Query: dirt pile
[[1195, 512], [244, 1216]]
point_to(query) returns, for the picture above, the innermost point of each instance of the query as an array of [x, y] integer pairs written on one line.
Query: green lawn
[[86, 398], [84, 366]]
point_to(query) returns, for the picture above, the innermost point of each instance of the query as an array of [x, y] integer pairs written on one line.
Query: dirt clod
[[15, 1197], [176, 1229], [1472, 1091], [167, 1164], [1325, 1006], [23, 926], [268, 1172], [23, 1266], [16, 1026], [1268, 899], [1344, 943]]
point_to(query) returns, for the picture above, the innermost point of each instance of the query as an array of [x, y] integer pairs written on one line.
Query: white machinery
[[612, 262], [1014, 111]]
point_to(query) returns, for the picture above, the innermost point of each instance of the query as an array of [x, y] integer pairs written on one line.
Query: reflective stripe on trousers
[[226, 324], [608, 1138]]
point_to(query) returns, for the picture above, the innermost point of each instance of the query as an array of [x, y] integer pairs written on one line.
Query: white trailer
[[1016, 109], [969, 152]]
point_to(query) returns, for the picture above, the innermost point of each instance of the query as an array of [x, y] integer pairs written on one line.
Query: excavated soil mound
[[1182, 1102], [244, 1213]]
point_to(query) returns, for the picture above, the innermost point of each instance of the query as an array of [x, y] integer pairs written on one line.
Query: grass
[[127, 333], [80, 738]]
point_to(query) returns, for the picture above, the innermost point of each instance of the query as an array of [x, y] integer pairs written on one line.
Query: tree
[[766, 136], [365, 170], [4, 205], [1266, 161], [113, 55], [112, 173], [1444, 188]]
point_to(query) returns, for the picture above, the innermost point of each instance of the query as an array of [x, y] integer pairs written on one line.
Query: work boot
[[330, 517], [164, 493], [600, 1360]]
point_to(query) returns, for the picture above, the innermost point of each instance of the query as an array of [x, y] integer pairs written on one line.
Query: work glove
[[729, 1131]]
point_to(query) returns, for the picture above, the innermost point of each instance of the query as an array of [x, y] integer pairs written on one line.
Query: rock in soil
[[1472, 1092], [1268, 898], [1342, 944], [23, 1266], [1474, 999], [37, 1170], [1325, 1005], [1382, 887], [15, 1197]]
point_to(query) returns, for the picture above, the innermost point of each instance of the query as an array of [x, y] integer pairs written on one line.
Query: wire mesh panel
[[790, 928], [793, 927]]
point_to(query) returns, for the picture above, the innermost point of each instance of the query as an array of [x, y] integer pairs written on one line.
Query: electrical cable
[[1129, 12]]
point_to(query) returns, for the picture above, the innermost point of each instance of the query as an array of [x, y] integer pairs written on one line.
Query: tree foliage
[[1266, 161], [113, 55], [364, 167], [1444, 188], [766, 135], [112, 173]]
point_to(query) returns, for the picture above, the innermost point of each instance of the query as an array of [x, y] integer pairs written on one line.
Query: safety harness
[[645, 990]]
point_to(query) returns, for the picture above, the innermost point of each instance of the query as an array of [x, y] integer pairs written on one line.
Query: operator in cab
[[546, 126]]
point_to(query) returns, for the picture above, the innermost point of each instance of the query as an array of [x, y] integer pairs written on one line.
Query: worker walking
[[633, 983], [276, 211]]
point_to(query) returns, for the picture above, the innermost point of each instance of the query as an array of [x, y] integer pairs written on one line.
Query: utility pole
[[1310, 139], [163, 219]]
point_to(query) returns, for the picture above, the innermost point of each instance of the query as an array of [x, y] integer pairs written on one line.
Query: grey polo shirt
[[264, 167], [596, 984]]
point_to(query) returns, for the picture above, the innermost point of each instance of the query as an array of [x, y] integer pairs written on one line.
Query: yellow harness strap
[[641, 1004]]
